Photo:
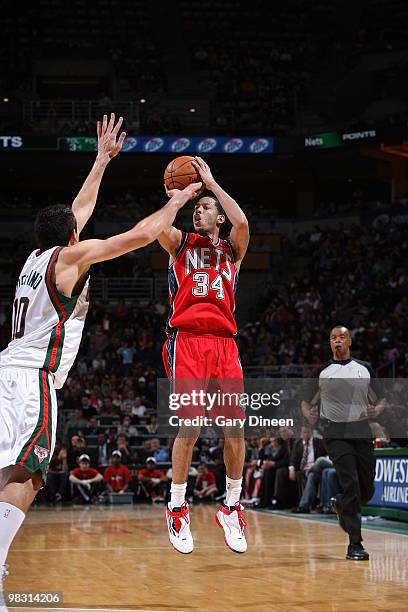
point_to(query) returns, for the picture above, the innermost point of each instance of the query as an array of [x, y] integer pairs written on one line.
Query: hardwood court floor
[[120, 559]]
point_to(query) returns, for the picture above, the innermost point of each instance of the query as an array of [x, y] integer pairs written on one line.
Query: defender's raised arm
[[84, 204], [85, 253]]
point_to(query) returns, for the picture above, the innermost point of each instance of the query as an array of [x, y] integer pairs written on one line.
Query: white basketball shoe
[[178, 525], [231, 520]]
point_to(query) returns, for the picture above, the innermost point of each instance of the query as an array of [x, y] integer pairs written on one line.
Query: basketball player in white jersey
[[50, 306]]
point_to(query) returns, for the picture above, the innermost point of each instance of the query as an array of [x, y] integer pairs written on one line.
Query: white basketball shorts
[[28, 418]]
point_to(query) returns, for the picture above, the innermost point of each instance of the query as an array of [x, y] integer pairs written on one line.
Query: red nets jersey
[[202, 284]]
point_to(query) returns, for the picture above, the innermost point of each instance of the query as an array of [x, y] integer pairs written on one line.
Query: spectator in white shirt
[[139, 409]]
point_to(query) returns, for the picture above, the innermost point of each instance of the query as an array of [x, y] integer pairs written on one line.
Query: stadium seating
[[326, 65]]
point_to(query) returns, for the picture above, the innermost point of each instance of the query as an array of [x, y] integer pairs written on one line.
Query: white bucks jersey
[[47, 326]]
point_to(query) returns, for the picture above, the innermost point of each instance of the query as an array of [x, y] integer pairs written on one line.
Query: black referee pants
[[354, 461]]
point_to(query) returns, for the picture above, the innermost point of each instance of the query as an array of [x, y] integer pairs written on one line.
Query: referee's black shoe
[[356, 552], [338, 509]]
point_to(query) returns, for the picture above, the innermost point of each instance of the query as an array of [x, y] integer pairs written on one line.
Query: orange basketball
[[180, 173]]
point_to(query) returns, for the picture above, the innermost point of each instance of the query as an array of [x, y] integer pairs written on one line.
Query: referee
[[349, 394]]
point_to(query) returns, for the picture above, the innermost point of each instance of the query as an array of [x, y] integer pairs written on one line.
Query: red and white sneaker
[[231, 519], [178, 524]]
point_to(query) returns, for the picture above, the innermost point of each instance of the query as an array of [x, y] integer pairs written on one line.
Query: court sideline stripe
[[331, 523]]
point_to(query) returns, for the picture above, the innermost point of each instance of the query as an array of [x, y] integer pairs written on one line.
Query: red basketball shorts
[[206, 362]]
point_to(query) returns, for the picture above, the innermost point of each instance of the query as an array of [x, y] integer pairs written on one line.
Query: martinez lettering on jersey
[[47, 325], [33, 279]]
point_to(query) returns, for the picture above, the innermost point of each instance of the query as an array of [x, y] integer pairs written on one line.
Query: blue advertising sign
[[197, 144], [399, 216], [391, 482]]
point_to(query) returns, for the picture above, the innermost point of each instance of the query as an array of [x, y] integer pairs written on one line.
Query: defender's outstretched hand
[[188, 193], [108, 147]]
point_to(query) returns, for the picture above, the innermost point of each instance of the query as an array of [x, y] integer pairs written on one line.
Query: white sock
[[10, 522], [233, 491], [178, 494]]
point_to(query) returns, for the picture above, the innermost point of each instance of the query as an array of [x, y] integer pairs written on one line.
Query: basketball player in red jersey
[[203, 274]]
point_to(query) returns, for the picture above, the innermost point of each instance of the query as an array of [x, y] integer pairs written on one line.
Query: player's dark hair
[[54, 226], [226, 226], [209, 194]]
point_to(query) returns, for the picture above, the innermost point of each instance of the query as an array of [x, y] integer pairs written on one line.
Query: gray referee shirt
[[345, 389]]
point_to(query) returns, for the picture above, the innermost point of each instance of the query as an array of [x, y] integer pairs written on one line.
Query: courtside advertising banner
[[391, 482], [178, 144]]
